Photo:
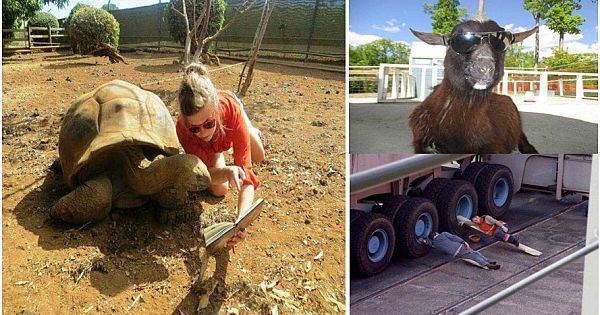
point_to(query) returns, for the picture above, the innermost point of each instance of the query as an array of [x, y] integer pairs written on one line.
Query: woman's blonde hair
[[197, 91]]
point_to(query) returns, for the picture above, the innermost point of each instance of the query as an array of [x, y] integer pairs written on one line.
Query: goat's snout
[[481, 68]]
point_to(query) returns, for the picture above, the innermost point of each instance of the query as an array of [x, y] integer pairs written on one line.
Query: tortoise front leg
[[90, 201]]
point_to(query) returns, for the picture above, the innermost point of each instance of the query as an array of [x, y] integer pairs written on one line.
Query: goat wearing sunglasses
[[462, 115]]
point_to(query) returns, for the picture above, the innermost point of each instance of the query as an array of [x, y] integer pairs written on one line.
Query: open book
[[219, 234]]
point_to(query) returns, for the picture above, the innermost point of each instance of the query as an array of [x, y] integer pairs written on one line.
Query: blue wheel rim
[[501, 191], [377, 246], [464, 206], [424, 225]]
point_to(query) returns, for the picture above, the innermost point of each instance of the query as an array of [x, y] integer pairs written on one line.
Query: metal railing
[[529, 280], [421, 78], [390, 172]]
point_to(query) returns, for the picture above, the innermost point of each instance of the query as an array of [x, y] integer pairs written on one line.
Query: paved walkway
[[561, 126]]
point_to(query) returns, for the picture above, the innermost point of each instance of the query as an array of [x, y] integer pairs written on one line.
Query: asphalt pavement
[[383, 128], [439, 284]]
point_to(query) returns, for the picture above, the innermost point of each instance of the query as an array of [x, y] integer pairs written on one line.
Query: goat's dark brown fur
[[459, 118]]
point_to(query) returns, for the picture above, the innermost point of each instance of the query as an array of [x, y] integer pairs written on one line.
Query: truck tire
[[459, 197], [372, 242], [355, 214], [434, 188], [494, 187], [414, 218], [472, 171]]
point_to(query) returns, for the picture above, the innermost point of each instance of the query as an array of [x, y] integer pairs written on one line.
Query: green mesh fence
[[313, 29]]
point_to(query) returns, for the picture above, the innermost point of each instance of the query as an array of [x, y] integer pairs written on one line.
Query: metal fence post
[[505, 84], [543, 87], [159, 24], [579, 89], [312, 30]]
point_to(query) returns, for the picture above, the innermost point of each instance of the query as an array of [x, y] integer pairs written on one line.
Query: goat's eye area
[[462, 43], [500, 41]]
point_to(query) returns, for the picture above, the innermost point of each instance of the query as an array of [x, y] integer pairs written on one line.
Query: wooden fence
[[33, 38]]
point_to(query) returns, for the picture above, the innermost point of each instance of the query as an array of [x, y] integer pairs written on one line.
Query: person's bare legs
[[257, 150]]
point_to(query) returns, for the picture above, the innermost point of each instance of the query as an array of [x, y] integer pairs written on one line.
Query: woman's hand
[[235, 176], [240, 236]]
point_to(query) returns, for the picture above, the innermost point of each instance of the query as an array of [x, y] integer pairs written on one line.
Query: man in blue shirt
[[457, 247]]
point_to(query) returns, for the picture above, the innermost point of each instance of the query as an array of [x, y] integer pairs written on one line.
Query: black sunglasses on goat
[[464, 42]]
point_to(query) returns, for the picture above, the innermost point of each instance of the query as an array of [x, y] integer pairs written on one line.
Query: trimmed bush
[[177, 24], [67, 20], [43, 19], [91, 26]]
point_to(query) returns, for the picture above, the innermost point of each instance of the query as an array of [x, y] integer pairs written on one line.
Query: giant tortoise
[[118, 147]]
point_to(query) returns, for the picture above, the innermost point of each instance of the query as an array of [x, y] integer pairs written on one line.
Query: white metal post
[[381, 88], [589, 304], [560, 87], [423, 75], [579, 89], [559, 177], [543, 87], [505, 84], [515, 88], [403, 84], [395, 79]]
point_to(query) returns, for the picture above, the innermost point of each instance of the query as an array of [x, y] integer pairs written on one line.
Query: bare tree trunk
[[561, 40], [260, 32], [243, 8], [480, 10], [203, 31], [536, 53]]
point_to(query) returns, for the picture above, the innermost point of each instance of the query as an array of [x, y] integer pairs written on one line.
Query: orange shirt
[[235, 134], [487, 228]]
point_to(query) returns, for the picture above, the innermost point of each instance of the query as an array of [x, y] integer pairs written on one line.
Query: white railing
[[405, 85]]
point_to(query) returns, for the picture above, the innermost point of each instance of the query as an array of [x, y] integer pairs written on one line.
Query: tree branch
[[245, 6]]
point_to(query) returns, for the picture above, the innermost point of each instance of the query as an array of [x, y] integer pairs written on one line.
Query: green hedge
[[92, 26], [43, 19]]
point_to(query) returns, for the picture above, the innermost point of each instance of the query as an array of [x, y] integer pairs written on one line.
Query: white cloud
[[390, 27], [355, 39], [549, 40]]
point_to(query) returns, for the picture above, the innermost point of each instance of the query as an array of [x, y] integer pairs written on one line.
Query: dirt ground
[[292, 260]]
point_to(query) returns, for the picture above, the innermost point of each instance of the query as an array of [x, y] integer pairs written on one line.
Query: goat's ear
[[430, 38], [519, 37]]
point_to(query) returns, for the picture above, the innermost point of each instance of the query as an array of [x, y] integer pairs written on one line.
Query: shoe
[[515, 241], [492, 262], [425, 241], [493, 266]]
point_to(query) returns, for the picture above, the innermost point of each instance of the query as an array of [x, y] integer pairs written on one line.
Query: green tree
[[76, 8], [177, 24], [17, 11], [445, 14], [43, 19], [561, 60], [110, 7], [560, 19], [379, 51], [517, 58], [539, 9]]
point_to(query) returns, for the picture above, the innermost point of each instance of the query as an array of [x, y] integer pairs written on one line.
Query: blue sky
[[373, 19], [121, 4]]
